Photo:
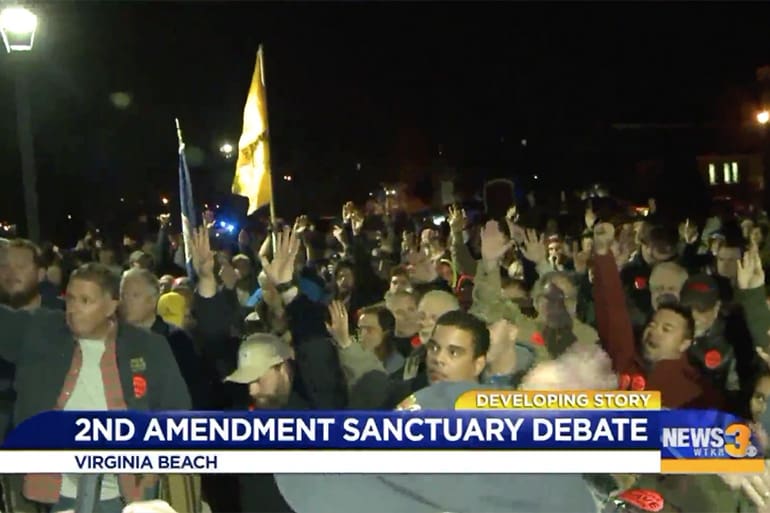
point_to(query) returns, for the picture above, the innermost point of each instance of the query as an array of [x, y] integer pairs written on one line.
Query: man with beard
[[21, 271], [21, 278], [265, 366]]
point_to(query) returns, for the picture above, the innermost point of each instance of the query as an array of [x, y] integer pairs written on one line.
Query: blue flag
[[188, 210]]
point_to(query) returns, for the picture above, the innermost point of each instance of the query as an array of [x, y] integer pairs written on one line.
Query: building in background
[[736, 178]]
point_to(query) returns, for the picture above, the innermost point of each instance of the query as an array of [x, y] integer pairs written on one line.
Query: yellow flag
[[252, 172]]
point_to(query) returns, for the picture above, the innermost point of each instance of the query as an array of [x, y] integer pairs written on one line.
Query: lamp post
[[18, 26], [227, 150], [763, 118]]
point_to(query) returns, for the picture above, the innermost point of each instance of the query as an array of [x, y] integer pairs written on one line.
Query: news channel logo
[[737, 441], [732, 442]]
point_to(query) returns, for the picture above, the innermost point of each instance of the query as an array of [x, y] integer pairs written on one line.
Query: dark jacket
[[377, 391], [696, 262], [319, 380], [50, 297], [712, 354], [41, 346], [189, 362]]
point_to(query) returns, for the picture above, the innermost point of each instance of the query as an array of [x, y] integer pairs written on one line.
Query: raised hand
[[202, 256], [534, 247], [281, 269], [590, 216], [512, 214], [688, 232], [421, 268], [347, 211], [301, 224], [750, 272], [756, 487], [208, 219], [339, 234], [408, 241], [580, 259], [494, 244], [356, 222], [164, 220], [227, 273], [338, 326], [604, 236], [457, 219]]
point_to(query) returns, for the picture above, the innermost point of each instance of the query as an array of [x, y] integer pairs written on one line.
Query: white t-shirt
[[89, 394]]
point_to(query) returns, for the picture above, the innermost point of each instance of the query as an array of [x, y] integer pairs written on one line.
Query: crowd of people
[[384, 312]]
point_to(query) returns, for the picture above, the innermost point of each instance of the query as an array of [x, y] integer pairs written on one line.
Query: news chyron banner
[[490, 431]]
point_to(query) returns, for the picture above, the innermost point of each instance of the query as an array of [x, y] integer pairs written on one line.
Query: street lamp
[[226, 150], [763, 117], [18, 26]]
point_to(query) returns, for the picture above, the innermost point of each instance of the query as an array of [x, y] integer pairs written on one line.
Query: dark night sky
[[382, 84]]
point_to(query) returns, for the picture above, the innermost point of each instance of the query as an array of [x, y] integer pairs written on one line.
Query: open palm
[[281, 268], [494, 243], [202, 256]]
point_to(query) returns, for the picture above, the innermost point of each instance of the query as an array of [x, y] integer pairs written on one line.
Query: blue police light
[[222, 224]]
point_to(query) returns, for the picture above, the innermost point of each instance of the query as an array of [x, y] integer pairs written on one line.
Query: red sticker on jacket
[[640, 283], [140, 386], [624, 381], [638, 382], [712, 358], [537, 339], [647, 500], [416, 342]]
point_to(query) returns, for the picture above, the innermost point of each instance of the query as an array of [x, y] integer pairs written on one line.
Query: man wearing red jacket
[[662, 363]]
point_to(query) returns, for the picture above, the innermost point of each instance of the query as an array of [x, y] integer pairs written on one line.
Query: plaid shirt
[[45, 488]]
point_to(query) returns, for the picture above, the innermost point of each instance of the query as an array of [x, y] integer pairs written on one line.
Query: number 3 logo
[[737, 440]]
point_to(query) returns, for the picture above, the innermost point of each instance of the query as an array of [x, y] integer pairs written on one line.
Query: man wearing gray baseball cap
[[264, 366]]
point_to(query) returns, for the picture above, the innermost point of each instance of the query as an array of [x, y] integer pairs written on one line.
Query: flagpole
[[178, 132], [267, 120]]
